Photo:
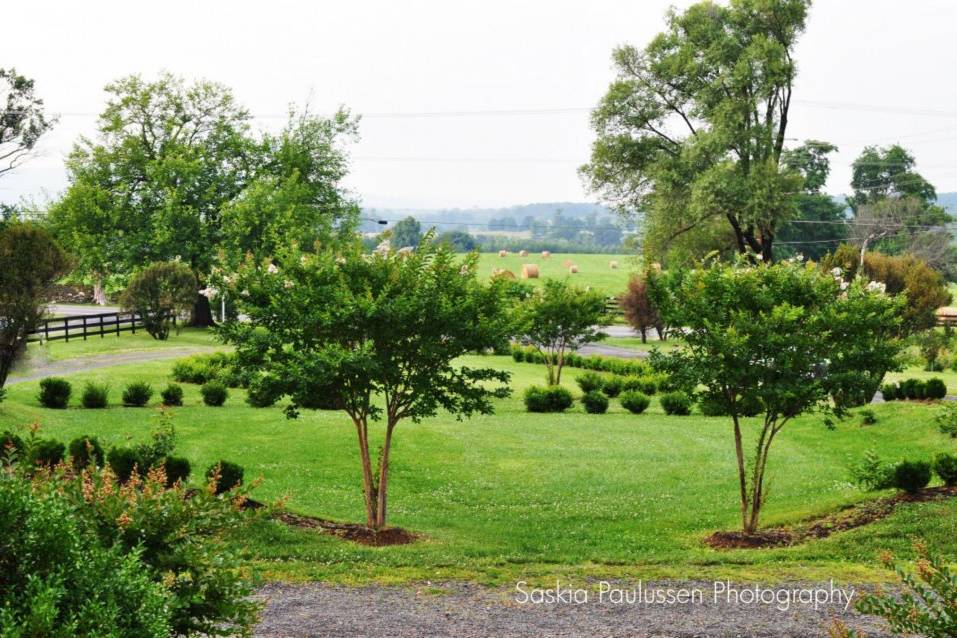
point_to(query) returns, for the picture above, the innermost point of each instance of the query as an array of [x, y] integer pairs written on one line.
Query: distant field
[[593, 270]]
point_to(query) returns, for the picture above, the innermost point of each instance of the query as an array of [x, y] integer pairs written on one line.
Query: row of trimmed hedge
[[914, 389], [555, 398], [86, 450], [617, 365], [55, 393]]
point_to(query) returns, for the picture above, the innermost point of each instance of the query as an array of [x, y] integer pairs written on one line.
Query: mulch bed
[[346, 531], [350, 531], [850, 517]]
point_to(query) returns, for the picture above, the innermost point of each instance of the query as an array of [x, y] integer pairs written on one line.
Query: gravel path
[[37, 370], [611, 351], [472, 611]]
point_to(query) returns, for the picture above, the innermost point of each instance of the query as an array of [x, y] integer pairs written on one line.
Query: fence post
[[84, 327]]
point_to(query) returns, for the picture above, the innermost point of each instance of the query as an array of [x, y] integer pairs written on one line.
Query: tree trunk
[[384, 476], [202, 315], [644, 339], [368, 483], [742, 476], [99, 293]]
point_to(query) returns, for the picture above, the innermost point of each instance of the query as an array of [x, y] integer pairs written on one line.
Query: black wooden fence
[[84, 326]]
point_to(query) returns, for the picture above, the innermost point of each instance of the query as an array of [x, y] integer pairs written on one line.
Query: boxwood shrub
[[177, 469], [590, 382], [890, 392], [214, 393], [595, 402], [634, 401], [123, 460], [137, 394], [676, 403], [54, 393], [613, 386], [47, 452], [230, 475], [945, 465], [911, 476], [95, 396], [935, 389], [84, 451], [548, 399], [172, 395]]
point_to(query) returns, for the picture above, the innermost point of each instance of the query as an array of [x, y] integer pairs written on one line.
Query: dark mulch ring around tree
[[847, 518], [347, 531], [351, 531]]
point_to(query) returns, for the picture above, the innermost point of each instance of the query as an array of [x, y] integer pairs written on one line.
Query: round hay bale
[[529, 271], [546, 254], [568, 263], [613, 264], [503, 253], [523, 253], [573, 269], [502, 273]]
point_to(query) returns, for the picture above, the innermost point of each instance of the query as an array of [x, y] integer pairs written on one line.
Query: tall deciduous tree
[[558, 319], [692, 131], [786, 337], [22, 119], [895, 208], [373, 335], [30, 262], [152, 185], [407, 233], [296, 193]]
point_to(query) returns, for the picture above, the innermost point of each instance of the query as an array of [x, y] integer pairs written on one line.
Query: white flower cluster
[[877, 286], [272, 269]]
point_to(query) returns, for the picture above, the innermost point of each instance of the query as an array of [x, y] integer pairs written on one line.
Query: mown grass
[[534, 495], [593, 270], [124, 342]]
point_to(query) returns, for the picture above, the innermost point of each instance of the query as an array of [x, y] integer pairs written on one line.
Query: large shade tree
[[376, 336], [691, 133], [787, 337], [23, 119], [175, 173]]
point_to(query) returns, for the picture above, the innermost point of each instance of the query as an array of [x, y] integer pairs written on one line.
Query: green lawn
[[593, 270], [514, 494], [124, 342]]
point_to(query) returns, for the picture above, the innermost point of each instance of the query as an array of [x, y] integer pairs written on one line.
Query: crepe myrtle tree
[[560, 318], [786, 336], [375, 336]]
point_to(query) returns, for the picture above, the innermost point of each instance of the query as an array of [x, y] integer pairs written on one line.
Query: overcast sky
[[871, 71]]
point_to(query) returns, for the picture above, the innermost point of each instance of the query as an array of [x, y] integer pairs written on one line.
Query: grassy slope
[[593, 270], [125, 342], [537, 495]]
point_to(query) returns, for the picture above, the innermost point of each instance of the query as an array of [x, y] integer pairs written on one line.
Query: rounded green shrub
[[613, 386], [177, 469], [259, 395], [230, 475], [137, 394], [548, 399], [676, 403], [935, 389], [945, 465], [214, 393], [634, 401], [54, 393], [890, 391], [518, 354], [47, 452], [123, 461], [95, 396], [595, 402], [84, 451], [172, 395], [590, 382], [911, 476]]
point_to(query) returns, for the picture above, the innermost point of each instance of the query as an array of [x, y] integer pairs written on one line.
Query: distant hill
[[477, 219]]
